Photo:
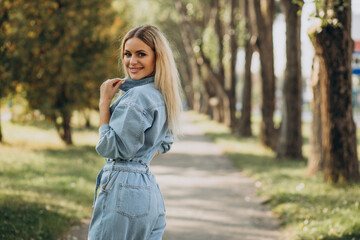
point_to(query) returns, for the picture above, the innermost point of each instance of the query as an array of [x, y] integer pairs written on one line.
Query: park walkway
[[206, 197]]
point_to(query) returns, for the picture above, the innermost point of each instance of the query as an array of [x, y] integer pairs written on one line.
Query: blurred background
[[280, 75]]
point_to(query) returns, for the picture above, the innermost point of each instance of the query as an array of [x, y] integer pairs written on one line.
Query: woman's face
[[139, 59]]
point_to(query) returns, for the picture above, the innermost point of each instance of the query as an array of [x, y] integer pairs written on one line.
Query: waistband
[[126, 166]]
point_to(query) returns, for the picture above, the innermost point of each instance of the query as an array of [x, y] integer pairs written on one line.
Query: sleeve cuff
[[161, 150], [104, 129]]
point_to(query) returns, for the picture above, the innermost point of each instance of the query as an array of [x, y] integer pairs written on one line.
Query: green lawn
[[307, 207], [46, 187]]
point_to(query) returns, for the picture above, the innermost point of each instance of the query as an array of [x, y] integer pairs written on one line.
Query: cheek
[[152, 64]]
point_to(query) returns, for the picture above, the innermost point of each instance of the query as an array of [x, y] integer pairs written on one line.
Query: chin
[[135, 77]]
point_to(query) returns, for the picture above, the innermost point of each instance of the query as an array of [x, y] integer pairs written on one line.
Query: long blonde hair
[[166, 74]]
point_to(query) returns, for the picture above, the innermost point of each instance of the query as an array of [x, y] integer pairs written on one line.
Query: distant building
[[357, 46], [355, 34]]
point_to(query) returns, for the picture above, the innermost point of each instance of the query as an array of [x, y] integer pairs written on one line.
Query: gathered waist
[[122, 166], [126, 166]]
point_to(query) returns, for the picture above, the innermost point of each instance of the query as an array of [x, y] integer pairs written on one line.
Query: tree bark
[[316, 160], [290, 137], [334, 46], [63, 128], [245, 119], [264, 11], [233, 57], [66, 128]]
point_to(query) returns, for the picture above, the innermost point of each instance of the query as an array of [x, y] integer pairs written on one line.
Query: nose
[[133, 60]]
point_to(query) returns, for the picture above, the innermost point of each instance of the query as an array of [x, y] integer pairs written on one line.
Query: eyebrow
[[138, 51]]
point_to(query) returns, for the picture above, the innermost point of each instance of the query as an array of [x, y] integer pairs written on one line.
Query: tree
[[250, 45], [215, 66], [193, 89], [202, 27], [290, 137], [264, 11], [233, 57], [333, 44], [62, 51]]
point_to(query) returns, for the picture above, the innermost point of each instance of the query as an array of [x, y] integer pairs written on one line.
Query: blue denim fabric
[[137, 127], [129, 205]]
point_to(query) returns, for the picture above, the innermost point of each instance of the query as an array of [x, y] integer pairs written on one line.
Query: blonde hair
[[166, 75]]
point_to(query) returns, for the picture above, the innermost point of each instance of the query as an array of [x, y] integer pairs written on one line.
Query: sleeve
[[124, 135], [167, 142]]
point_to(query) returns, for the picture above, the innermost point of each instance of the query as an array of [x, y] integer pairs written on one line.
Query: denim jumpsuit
[[129, 205]]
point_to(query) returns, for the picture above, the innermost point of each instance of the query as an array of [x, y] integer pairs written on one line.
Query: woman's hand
[[108, 90]]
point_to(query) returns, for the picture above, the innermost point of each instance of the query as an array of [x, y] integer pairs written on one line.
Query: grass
[[308, 208], [46, 187]]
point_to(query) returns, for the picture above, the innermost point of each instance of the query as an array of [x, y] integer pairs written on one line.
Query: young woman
[[137, 127]]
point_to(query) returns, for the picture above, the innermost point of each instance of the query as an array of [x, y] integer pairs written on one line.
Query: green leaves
[[58, 50]]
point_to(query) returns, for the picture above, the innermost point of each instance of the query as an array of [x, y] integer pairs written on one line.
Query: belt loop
[[98, 179], [108, 179]]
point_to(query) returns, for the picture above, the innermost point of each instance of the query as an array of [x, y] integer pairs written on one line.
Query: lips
[[135, 70]]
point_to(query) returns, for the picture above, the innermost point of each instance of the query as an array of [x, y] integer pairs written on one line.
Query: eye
[[142, 54], [127, 54]]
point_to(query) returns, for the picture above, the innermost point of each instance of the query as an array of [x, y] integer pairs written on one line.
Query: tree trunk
[[334, 46], [186, 78], [210, 97], [233, 57], [264, 10], [87, 116], [224, 106], [316, 160], [66, 128], [63, 129], [245, 119], [290, 137]]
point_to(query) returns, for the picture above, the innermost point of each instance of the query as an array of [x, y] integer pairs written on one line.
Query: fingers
[[114, 82], [118, 84]]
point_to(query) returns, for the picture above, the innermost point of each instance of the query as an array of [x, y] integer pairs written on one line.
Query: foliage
[[308, 208], [45, 187], [60, 50], [326, 12]]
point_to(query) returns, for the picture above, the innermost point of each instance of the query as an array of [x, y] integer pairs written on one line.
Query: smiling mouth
[[135, 70]]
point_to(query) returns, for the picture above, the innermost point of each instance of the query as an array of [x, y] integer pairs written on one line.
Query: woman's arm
[[166, 143], [107, 92]]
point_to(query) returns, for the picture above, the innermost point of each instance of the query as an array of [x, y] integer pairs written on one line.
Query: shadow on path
[[206, 197]]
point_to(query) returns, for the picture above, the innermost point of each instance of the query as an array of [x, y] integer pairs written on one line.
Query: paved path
[[205, 197]]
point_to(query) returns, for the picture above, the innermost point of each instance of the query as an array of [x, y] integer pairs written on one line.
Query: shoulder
[[145, 97]]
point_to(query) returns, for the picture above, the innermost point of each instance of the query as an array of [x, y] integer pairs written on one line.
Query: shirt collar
[[130, 83]]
